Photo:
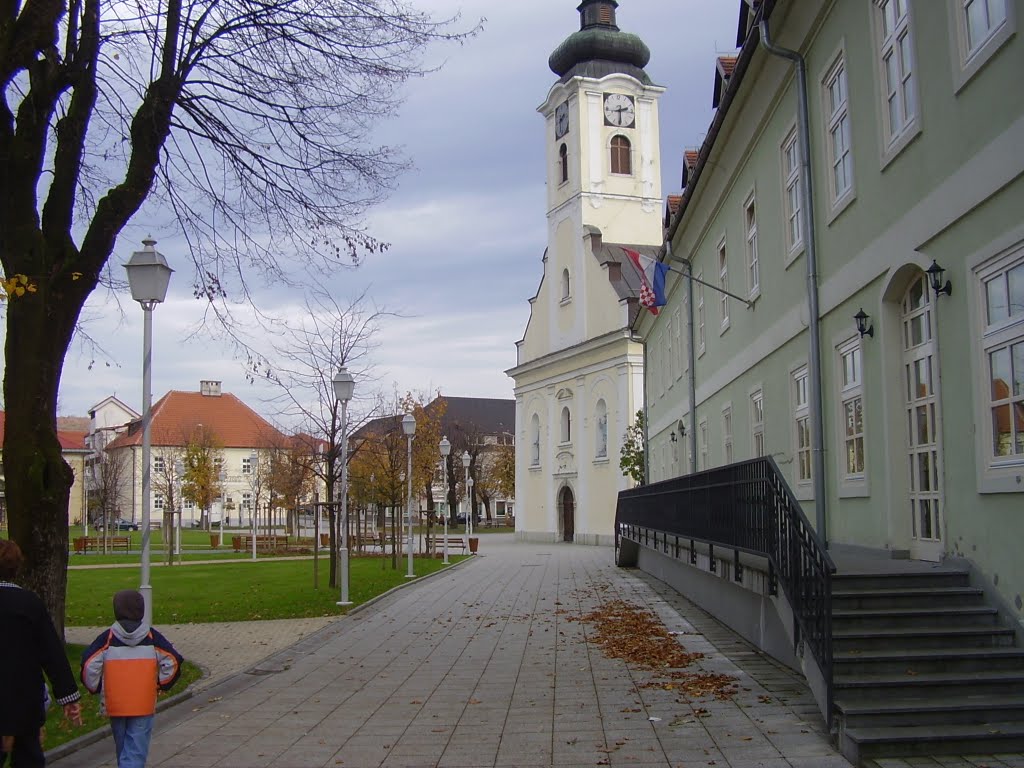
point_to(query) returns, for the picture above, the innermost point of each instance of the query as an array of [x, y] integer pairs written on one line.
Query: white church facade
[[579, 372]]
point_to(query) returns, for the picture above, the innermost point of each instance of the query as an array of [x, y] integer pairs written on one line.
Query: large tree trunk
[[38, 479]]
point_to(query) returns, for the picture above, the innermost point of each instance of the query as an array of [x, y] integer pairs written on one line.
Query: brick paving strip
[[487, 664]]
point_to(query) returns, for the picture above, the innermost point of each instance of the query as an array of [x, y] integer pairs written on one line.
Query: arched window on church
[[566, 425], [535, 441], [601, 429], [566, 292], [563, 164], [622, 159]]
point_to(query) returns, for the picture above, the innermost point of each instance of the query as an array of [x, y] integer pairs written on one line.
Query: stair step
[[877, 581], [937, 710], [954, 739], [894, 598], [929, 659], [981, 615], [858, 688], [864, 639]]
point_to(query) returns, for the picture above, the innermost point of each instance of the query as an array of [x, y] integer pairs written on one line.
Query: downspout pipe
[[814, 323]]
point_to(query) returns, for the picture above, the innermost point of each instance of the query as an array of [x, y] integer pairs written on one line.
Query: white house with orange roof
[[237, 432]]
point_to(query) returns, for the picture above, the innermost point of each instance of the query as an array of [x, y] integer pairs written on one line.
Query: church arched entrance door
[[567, 503]]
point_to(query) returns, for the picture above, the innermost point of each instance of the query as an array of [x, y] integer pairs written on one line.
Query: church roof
[[600, 48]]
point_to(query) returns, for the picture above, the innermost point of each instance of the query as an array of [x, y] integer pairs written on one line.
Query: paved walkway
[[488, 665]]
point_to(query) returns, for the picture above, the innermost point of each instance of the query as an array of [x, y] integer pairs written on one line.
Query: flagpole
[[709, 285]]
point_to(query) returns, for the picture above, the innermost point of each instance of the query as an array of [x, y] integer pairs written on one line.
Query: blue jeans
[[131, 739]]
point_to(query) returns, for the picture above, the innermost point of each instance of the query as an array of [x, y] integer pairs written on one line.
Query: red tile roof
[[726, 64], [177, 414], [690, 157]]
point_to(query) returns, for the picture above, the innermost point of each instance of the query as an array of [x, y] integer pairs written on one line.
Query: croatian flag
[[652, 275]]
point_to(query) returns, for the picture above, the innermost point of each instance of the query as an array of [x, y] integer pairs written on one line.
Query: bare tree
[[251, 123], [312, 350], [111, 476]]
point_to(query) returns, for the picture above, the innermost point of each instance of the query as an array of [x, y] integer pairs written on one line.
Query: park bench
[[244, 542], [454, 542], [85, 543]]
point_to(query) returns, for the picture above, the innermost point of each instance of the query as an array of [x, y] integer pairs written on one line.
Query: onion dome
[[600, 48]]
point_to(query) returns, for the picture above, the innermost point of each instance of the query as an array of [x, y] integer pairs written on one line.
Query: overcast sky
[[466, 226]]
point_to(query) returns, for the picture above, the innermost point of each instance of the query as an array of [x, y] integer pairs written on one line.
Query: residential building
[[872, 346], [579, 371]]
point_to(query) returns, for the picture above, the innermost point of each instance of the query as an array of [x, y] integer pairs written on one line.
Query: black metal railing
[[745, 507]]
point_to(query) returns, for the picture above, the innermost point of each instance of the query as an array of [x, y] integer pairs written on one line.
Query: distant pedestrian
[[29, 647], [128, 663]]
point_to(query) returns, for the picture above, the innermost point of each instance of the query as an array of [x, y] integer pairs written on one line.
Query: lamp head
[[863, 328], [466, 459], [409, 425], [344, 385], [445, 446], [148, 274], [935, 274]]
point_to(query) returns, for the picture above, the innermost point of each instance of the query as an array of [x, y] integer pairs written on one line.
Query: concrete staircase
[[922, 666]]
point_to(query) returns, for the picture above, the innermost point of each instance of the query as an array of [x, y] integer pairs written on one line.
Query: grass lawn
[[59, 730], [242, 591]]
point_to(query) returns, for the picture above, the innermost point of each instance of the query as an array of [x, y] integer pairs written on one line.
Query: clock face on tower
[[619, 110], [561, 119]]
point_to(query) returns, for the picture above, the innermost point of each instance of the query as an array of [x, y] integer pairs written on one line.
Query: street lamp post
[[466, 459], [222, 476], [409, 428], [148, 276], [179, 476], [254, 502], [446, 449], [344, 386]]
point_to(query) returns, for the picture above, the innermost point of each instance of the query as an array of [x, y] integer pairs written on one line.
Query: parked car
[[118, 525]]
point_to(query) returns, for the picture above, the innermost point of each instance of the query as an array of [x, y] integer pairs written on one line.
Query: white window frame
[[565, 426], [850, 361], [896, 45], [246, 503], [728, 455], [246, 465], [753, 263], [998, 472], [838, 119], [159, 502], [159, 465], [686, 336], [802, 454], [702, 443], [566, 287], [535, 440], [792, 195], [757, 446], [967, 62], [678, 341], [723, 284], [701, 326]]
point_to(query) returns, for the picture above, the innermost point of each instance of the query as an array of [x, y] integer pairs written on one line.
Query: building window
[[566, 424], [897, 67], [159, 465], [1002, 341], [601, 424], [677, 342], [246, 501], [700, 316], [852, 399], [535, 441], [565, 285], [727, 434], [981, 20], [723, 283], [793, 198], [702, 433], [188, 504], [622, 161], [158, 502], [757, 422], [750, 227], [802, 426], [563, 164], [838, 110], [247, 465]]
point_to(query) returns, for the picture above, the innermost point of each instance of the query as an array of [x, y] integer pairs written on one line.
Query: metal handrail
[[746, 507]]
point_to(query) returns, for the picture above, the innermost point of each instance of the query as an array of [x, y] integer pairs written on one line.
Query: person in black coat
[[29, 646]]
